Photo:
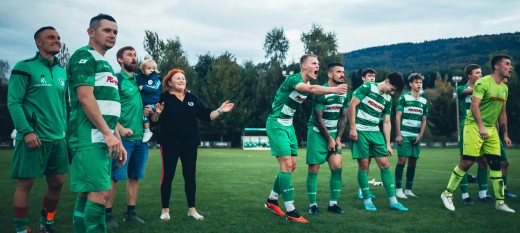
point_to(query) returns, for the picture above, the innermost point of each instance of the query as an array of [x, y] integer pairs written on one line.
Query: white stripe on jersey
[[105, 79], [333, 108], [366, 128], [97, 55], [408, 98], [373, 104], [97, 136], [318, 130], [330, 123], [411, 123], [285, 122], [413, 110], [408, 134], [109, 108], [468, 99], [363, 115], [296, 96], [333, 94], [288, 110]]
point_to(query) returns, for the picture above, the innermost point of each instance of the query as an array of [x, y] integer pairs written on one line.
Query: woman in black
[[177, 113]]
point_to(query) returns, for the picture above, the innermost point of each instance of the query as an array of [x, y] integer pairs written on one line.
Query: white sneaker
[[147, 136], [504, 207], [409, 193], [196, 216], [165, 216], [448, 202], [399, 193]]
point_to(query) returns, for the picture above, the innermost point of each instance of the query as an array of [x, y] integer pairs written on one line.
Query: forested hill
[[437, 55]]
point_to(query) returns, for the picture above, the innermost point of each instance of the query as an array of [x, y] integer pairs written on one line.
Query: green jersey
[[287, 100], [131, 105], [36, 98], [331, 106], [89, 68], [373, 105], [413, 111], [464, 102], [493, 97]]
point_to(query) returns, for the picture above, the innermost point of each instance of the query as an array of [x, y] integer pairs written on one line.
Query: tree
[[5, 117], [322, 44], [276, 45], [441, 120], [64, 56], [153, 45]]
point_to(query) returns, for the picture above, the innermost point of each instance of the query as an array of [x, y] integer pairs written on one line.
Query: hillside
[[437, 55]]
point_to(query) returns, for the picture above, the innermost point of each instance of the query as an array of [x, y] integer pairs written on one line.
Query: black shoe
[[131, 216], [313, 210], [295, 217], [46, 228], [335, 209], [110, 221], [486, 199], [467, 201]]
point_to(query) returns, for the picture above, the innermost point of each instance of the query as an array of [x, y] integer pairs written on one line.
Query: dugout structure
[[255, 139]]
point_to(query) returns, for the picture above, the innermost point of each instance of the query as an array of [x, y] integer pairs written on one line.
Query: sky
[[240, 26]]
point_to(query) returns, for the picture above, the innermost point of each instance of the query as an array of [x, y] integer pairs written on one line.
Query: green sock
[[276, 185], [399, 176], [286, 186], [482, 178], [410, 175], [95, 217], [335, 184], [498, 185], [312, 186], [20, 224], [362, 178], [388, 182], [78, 218], [464, 184], [456, 177]]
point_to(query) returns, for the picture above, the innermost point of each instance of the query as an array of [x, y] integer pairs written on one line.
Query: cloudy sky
[[240, 26]]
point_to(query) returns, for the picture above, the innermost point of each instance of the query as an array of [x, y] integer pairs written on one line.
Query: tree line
[[252, 86]]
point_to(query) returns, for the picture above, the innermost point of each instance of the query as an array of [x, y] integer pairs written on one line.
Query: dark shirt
[[178, 120], [151, 87]]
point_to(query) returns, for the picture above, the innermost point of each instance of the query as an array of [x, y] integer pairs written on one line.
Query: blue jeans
[[135, 163]]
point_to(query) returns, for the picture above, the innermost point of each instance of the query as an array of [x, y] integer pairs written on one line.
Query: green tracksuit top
[[36, 98]]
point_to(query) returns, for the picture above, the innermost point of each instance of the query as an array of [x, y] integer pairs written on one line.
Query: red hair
[[170, 74]]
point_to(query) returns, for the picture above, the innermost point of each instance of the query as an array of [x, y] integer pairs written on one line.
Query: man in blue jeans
[[130, 127]]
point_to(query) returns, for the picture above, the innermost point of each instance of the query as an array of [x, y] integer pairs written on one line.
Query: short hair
[[304, 58], [332, 65], [498, 58], [95, 21], [396, 80], [37, 33], [415, 76], [168, 76], [121, 51], [368, 71], [469, 69], [150, 62]]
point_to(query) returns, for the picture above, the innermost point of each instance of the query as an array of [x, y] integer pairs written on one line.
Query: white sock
[[407, 191], [482, 193], [273, 195], [147, 130], [331, 203], [367, 201], [289, 206], [393, 200], [465, 195]]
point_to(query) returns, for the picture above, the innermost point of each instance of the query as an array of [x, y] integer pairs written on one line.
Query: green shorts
[[282, 139], [49, 159], [503, 154], [90, 170], [408, 149], [475, 146], [369, 144], [317, 147]]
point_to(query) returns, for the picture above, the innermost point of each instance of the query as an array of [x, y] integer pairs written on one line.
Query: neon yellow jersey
[[493, 97]]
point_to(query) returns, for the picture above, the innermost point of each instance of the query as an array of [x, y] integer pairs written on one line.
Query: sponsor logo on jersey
[[82, 61], [374, 104], [334, 107], [497, 99], [417, 110], [111, 79]]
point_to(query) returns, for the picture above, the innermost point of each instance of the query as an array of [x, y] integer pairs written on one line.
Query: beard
[[130, 67], [337, 82]]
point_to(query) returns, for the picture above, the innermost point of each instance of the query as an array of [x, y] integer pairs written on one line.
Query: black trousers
[[170, 156]]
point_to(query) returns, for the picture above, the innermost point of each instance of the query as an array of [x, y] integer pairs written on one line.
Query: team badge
[[150, 82], [61, 82], [190, 104]]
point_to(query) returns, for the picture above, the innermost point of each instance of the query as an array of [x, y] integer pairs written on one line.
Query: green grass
[[233, 185]]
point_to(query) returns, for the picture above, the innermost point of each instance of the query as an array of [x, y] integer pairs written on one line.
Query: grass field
[[233, 185]]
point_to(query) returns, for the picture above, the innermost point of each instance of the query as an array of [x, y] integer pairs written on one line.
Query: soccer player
[[488, 104], [131, 129], [280, 130], [369, 102], [410, 122], [473, 72], [368, 75], [92, 135], [36, 102], [504, 163], [325, 128]]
